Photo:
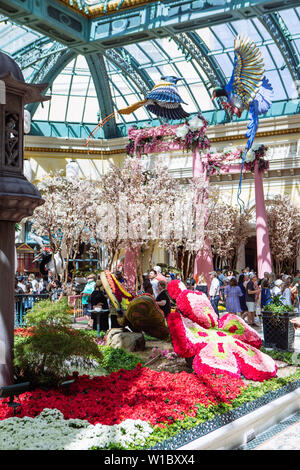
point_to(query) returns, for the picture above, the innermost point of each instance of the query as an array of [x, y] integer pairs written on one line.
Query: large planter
[[278, 330]]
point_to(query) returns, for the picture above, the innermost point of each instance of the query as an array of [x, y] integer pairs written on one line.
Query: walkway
[[284, 435]]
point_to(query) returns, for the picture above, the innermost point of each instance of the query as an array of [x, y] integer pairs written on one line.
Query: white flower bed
[[50, 431]]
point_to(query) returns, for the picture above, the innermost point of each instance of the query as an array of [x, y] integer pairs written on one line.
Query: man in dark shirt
[[163, 299], [98, 299], [251, 290]]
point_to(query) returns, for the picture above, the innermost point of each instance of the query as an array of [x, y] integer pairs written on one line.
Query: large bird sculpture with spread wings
[[163, 100], [247, 88]]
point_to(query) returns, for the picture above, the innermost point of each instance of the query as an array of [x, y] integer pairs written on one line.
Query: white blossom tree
[[284, 233], [226, 229], [64, 218]]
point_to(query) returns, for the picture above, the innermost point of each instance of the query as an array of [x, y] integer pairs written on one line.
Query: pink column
[[264, 263], [204, 261]]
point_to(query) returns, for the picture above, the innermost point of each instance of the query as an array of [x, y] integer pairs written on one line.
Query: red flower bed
[[156, 397], [25, 332]]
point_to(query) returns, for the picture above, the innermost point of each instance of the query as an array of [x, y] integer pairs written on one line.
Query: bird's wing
[[248, 70], [264, 96], [166, 93]]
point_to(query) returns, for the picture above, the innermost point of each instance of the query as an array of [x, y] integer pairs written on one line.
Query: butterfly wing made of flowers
[[225, 354], [196, 306], [239, 329], [144, 315]]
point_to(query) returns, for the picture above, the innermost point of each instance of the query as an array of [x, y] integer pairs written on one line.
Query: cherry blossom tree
[[284, 233], [64, 218], [139, 209], [226, 229]]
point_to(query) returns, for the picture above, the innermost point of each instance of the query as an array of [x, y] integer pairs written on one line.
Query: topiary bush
[[49, 356]]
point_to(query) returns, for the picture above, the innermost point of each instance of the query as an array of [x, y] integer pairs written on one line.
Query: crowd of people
[[242, 293], [34, 284], [246, 295]]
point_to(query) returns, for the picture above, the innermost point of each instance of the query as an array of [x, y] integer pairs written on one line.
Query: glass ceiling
[[73, 91]]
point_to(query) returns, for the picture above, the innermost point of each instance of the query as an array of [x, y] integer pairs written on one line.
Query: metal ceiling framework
[[60, 32]]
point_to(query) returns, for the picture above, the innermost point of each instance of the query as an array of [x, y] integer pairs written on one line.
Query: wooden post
[[7, 304]]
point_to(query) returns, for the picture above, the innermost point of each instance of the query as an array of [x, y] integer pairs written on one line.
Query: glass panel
[[58, 107], [269, 64], [188, 71], [152, 51], [246, 27], [202, 97], [289, 83], [225, 64], [277, 56], [279, 93], [91, 110], [80, 85], [223, 32], [137, 53], [263, 31], [61, 84], [209, 38], [169, 47], [75, 109], [291, 20], [41, 113]]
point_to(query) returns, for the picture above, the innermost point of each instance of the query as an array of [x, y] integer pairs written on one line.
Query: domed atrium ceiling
[[100, 56]]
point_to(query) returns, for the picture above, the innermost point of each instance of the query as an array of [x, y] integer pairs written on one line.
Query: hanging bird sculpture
[[247, 88], [163, 100]]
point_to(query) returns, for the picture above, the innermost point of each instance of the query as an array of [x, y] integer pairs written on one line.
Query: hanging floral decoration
[[168, 137], [222, 346], [257, 154]]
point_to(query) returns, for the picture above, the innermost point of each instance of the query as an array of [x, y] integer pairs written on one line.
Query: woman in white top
[[286, 296], [276, 290]]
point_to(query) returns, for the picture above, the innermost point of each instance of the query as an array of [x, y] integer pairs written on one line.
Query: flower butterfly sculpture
[[227, 345]]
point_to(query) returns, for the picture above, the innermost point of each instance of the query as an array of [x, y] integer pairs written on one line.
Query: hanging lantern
[[27, 170], [27, 121], [72, 170]]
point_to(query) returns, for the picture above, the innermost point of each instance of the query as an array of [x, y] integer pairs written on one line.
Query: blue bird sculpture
[[247, 88], [163, 100]]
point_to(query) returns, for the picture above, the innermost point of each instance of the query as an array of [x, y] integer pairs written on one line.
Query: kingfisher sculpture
[[163, 100], [247, 88]]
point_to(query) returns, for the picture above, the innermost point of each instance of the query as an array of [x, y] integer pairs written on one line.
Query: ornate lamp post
[[18, 197]]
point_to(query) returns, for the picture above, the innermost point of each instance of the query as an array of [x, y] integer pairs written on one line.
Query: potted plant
[[277, 327]]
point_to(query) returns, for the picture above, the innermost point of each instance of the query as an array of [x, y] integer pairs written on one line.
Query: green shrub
[[49, 313], [48, 356], [277, 307], [116, 359]]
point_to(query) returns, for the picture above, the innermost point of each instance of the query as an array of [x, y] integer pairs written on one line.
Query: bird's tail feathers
[[133, 107], [128, 110], [99, 126]]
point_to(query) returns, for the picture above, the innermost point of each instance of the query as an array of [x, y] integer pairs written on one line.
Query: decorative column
[[18, 197], [264, 263], [204, 261]]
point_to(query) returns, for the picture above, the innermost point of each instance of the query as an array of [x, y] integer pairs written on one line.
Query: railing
[[75, 301], [23, 303]]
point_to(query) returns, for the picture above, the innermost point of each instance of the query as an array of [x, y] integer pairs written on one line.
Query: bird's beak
[[213, 95]]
